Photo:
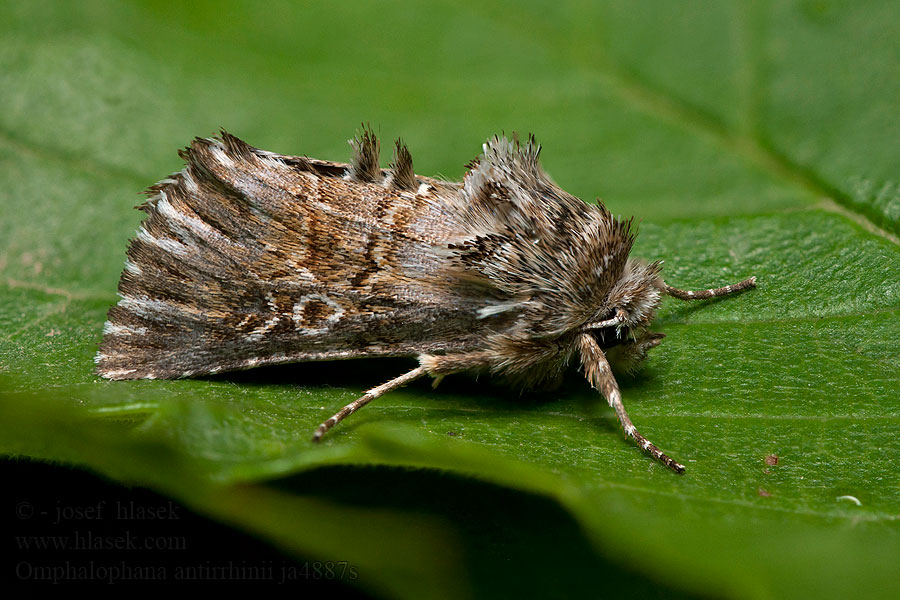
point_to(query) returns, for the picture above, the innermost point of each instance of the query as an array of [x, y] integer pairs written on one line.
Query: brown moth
[[252, 258]]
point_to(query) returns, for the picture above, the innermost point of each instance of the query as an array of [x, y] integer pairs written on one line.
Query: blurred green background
[[756, 138]]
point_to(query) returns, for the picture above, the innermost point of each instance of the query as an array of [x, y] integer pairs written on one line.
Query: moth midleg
[[600, 376], [711, 293], [368, 397]]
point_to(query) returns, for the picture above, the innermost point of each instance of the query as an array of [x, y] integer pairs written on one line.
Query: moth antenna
[[600, 376], [366, 154], [712, 293], [366, 398], [402, 167]]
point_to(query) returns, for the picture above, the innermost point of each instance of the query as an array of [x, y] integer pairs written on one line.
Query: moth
[[250, 258]]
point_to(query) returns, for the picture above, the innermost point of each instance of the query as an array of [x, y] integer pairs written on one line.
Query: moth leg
[[712, 293], [599, 374], [439, 366], [366, 398]]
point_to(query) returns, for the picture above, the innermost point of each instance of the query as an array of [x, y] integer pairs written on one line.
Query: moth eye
[[607, 337], [608, 315]]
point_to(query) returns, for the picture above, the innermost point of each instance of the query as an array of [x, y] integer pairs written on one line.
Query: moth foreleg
[[368, 397], [599, 374], [711, 293], [439, 366]]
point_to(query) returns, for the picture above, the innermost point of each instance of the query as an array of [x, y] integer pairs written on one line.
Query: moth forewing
[[247, 257]]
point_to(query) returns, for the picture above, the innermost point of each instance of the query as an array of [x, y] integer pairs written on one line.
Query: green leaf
[[750, 140]]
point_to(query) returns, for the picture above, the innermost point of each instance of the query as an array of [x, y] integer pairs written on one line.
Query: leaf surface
[[748, 141]]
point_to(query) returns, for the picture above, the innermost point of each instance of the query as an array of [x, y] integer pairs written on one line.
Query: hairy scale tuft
[[366, 154], [402, 167]]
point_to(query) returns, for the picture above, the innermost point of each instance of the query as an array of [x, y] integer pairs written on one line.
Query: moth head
[[629, 307]]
